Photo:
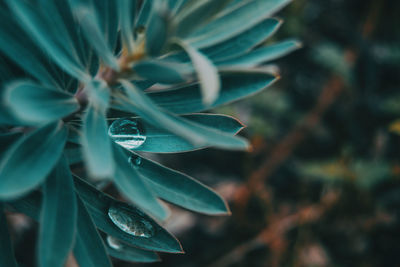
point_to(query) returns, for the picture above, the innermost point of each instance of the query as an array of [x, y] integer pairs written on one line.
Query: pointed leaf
[[131, 185], [6, 249], [93, 34], [89, 249], [235, 85], [31, 159], [261, 55], [196, 13], [34, 103], [48, 36], [243, 42], [123, 251], [58, 217], [98, 204], [178, 188], [161, 141], [236, 20], [206, 72], [197, 134], [14, 46]]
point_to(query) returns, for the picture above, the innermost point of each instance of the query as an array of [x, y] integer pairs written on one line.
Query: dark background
[[322, 184]]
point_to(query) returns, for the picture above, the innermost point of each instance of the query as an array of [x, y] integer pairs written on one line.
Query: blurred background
[[322, 184]]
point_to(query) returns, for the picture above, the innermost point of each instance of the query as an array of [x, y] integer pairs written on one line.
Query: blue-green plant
[[92, 83]]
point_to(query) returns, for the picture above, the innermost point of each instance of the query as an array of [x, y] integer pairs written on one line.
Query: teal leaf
[[14, 46], [206, 72], [34, 103], [144, 13], [131, 185], [161, 141], [98, 205], [127, 16], [92, 31], [197, 134], [38, 24], [242, 43], [261, 55], [58, 217], [158, 29], [31, 159], [178, 188], [89, 249], [123, 251], [108, 19], [6, 249], [163, 71], [236, 20], [196, 13], [234, 85], [96, 143]]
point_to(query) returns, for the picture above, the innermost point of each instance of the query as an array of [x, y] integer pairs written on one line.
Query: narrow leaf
[[89, 249], [236, 20], [58, 217], [40, 27], [196, 13], [133, 187], [92, 31], [243, 42], [14, 46], [206, 72], [261, 55], [161, 141], [235, 85], [195, 133], [6, 249], [178, 188], [31, 159], [33, 103], [98, 205]]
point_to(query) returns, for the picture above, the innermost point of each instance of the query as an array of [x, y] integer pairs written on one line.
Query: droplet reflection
[[131, 222], [127, 132]]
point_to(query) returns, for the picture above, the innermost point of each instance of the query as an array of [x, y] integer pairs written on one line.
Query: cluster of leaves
[[70, 68]]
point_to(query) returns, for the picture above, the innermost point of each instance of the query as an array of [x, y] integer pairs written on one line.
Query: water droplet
[[131, 222], [114, 243], [127, 132], [135, 160]]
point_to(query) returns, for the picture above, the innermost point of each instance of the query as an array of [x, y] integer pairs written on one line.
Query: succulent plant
[[87, 85]]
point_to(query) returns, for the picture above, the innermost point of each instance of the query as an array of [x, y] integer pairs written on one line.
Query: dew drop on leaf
[[127, 132], [114, 243], [130, 222], [135, 161]]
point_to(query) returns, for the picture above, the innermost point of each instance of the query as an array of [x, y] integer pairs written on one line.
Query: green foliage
[[73, 67]]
